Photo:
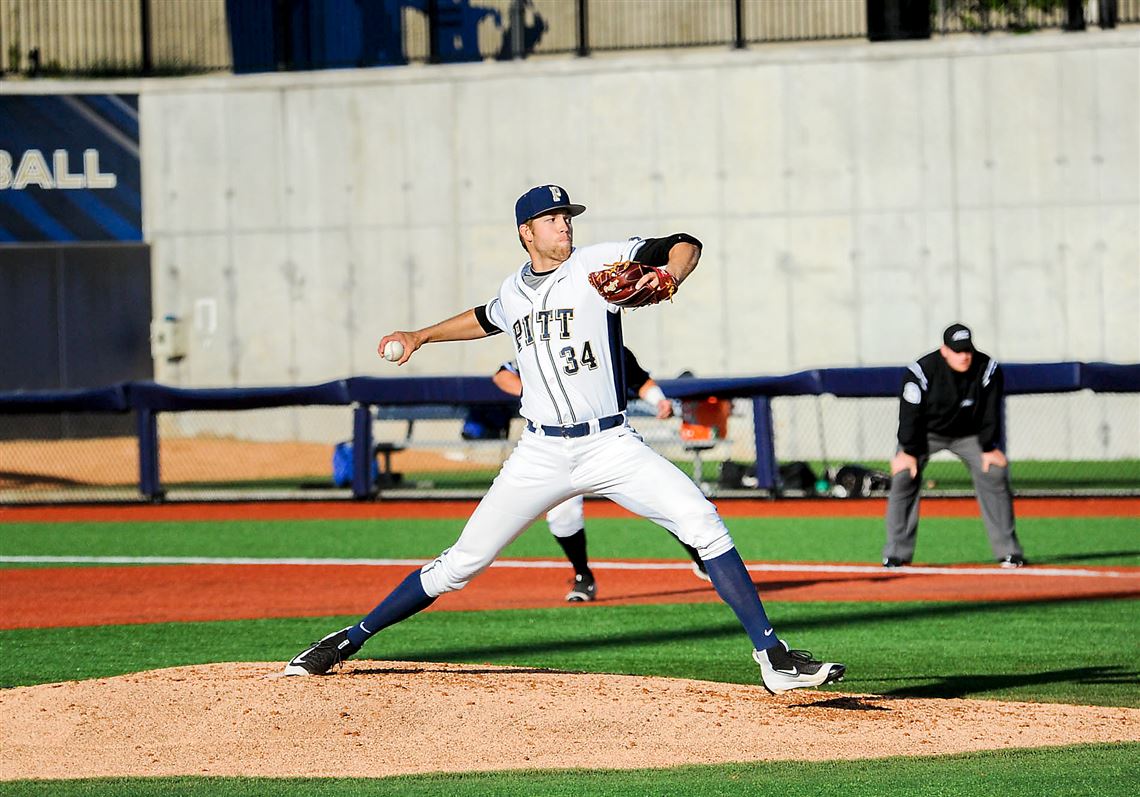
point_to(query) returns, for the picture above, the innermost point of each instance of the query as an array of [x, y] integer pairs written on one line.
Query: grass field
[[1082, 770], [948, 476], [1060, 475], [1082, 652]]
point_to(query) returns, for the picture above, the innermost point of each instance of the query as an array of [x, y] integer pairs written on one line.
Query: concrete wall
[[854, 199]]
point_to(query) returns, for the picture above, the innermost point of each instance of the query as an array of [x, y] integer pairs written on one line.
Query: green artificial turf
[[1057, 651], [1054, 541], [1100, 770], [950, 475], [1071, 651]]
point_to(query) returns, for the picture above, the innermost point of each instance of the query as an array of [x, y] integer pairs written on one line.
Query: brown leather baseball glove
[[617, 284]]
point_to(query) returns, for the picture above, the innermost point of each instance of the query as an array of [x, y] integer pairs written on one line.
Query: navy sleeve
[[485, 322], [655, 251], [635, 375]]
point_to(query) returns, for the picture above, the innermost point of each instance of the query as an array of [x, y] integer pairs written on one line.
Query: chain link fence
[[1072, 443]]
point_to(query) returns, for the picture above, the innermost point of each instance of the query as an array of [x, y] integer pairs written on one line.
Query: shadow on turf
[[953, 686], [968, 685], [1070, 558], [764, 587]]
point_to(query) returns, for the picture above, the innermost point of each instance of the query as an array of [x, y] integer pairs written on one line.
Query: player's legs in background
[[995, 498], [902, 513], [567, 522]]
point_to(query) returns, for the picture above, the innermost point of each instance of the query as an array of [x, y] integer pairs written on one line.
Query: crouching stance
[[561, 311]]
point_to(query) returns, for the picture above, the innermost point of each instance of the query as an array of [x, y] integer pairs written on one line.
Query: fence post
[[1106, 14], [738, 22], [1076, 17], [144, 32], [433, 31], [583, 29], [149, 484], [766, 470], [362, 451]]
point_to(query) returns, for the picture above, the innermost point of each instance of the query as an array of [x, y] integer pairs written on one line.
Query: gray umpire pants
[[992, 488]]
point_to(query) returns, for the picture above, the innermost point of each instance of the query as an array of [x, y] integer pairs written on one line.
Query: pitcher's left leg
[[630, 473]]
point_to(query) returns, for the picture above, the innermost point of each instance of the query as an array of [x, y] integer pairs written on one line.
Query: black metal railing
[[111, 38], [165, 37]]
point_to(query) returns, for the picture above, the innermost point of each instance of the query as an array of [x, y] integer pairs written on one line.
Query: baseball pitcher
[[561, 313]]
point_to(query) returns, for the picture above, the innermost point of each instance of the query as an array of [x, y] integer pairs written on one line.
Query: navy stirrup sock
[[401, 603], [735, 588]]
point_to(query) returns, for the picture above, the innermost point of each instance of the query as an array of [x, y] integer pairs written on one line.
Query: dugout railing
[[760, 444]]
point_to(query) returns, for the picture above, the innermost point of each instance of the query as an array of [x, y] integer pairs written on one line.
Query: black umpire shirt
[[936, 399]]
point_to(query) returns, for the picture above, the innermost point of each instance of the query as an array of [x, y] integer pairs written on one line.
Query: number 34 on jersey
[[545, 325]]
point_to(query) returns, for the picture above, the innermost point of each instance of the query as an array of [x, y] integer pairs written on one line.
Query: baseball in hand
[[393, 350]]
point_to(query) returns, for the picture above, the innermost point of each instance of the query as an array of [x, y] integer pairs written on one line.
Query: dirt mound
[[387, 718]]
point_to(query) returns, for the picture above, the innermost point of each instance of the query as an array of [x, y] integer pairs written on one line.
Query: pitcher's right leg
[[532, 480]]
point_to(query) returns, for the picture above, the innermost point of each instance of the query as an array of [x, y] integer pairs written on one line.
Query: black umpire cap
[[958, 337]]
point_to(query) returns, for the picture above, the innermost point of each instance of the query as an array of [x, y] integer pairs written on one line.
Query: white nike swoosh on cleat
[[300, 657]]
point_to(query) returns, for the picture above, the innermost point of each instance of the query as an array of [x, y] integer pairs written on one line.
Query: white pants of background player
[[568, 518], [543, 472]]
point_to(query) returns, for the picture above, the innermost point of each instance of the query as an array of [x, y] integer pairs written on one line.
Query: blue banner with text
[[69, 168]]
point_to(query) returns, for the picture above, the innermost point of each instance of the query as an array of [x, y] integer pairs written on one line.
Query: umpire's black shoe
[[782, 668], [1012, 561], [894, 561], [322, 656]]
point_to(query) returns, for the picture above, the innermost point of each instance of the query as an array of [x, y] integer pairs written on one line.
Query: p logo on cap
[[543, 199]]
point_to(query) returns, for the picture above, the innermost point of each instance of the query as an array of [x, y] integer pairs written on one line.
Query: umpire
[[951, 399]]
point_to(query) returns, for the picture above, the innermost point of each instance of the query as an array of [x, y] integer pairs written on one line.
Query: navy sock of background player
[[567, 338], [566, 521]]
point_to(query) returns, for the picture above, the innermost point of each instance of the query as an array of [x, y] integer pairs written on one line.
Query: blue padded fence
[[148, 399]]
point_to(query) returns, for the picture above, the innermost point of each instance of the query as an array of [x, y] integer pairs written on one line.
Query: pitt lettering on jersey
[[524, 333], [524, 327]]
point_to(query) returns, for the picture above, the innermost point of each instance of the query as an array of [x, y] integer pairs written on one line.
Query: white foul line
[[559, 564]]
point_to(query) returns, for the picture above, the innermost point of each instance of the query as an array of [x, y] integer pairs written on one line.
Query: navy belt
[[579, 429]]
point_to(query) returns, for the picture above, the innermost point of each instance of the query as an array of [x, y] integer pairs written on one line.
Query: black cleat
[[894, 561], [1012, 561], [322, 656], [585, 589]]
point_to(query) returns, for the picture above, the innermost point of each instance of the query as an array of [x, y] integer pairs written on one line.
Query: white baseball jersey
[[568, 347], [567, 338]]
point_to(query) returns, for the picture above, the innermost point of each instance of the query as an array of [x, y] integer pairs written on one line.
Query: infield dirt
[[375, 719]]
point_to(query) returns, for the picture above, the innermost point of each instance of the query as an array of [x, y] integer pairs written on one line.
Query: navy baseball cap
[[958, 337], [542, 199]]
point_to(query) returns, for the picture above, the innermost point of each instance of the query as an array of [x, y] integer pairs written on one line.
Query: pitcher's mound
[[373, 719]]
